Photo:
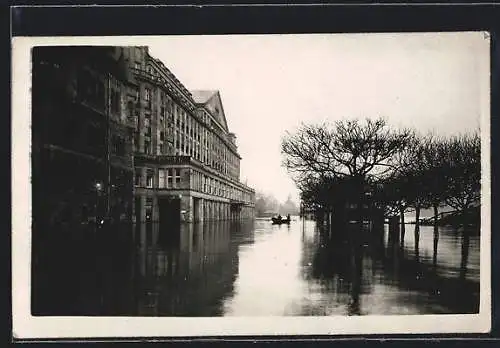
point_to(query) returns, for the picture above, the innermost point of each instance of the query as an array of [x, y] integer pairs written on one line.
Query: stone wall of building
[[77, 106]]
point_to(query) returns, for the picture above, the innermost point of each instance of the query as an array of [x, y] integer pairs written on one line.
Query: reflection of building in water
[[188, 274], [187, 165]]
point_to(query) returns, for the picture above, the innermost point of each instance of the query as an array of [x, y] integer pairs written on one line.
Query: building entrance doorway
[[169, 217], [170, 211]]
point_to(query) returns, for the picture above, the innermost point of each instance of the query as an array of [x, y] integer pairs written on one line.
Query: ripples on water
[[255, 268]]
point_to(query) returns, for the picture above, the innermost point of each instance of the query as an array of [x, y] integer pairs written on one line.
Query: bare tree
[[435, 170], [411, 177], [434, 177], [349, 148], [463, 167], [340, 161], [316, 193], [386, 197]]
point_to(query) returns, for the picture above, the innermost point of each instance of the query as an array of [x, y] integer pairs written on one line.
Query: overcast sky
[[272, 83]]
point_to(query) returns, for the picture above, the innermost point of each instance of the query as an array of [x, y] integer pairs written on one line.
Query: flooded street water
[[255, 268]]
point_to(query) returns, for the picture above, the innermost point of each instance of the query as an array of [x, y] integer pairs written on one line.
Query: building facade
[[82, 151], [116, 134], [187, 166]]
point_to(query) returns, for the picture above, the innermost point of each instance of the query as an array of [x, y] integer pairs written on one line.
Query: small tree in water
[[435, 171], [409, 186]]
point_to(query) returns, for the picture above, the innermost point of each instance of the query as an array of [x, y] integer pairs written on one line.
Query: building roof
[[211, 100], [202, 96]]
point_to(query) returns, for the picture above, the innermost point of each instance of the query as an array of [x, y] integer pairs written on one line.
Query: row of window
[[206, 148], [203, 183], [190, 137], [171, 178], [91, 89], [118, 145], [163, 147], [167, 178], [206, 184]]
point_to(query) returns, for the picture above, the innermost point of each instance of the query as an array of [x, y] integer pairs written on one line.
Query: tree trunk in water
[[417, 231], [465, 254], [435, 246], [357, 263], [417, 217], [435, 206], [436, 235], [330, 225], [403, 231], [393, 231]]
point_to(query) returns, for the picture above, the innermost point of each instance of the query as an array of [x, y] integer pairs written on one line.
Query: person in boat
[[288, 217], [279, 217]]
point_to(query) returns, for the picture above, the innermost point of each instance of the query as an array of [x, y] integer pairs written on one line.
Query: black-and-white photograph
[[330, 177]]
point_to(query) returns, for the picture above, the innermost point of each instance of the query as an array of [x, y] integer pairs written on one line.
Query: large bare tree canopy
[[347, 148]]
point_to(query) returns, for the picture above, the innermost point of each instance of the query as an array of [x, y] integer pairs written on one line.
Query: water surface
[[255, 268]]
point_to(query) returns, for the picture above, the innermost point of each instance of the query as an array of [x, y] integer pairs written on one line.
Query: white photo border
[[26, 326]]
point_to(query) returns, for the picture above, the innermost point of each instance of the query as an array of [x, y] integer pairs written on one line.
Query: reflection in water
[[256, 268], [83, 270], [187, 271]]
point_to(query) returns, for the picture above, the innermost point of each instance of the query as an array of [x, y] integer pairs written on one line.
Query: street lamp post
[[98, 191], [108, 150]]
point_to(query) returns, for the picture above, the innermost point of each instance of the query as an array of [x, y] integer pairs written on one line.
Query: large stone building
[[116, 134], [187, 166]]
